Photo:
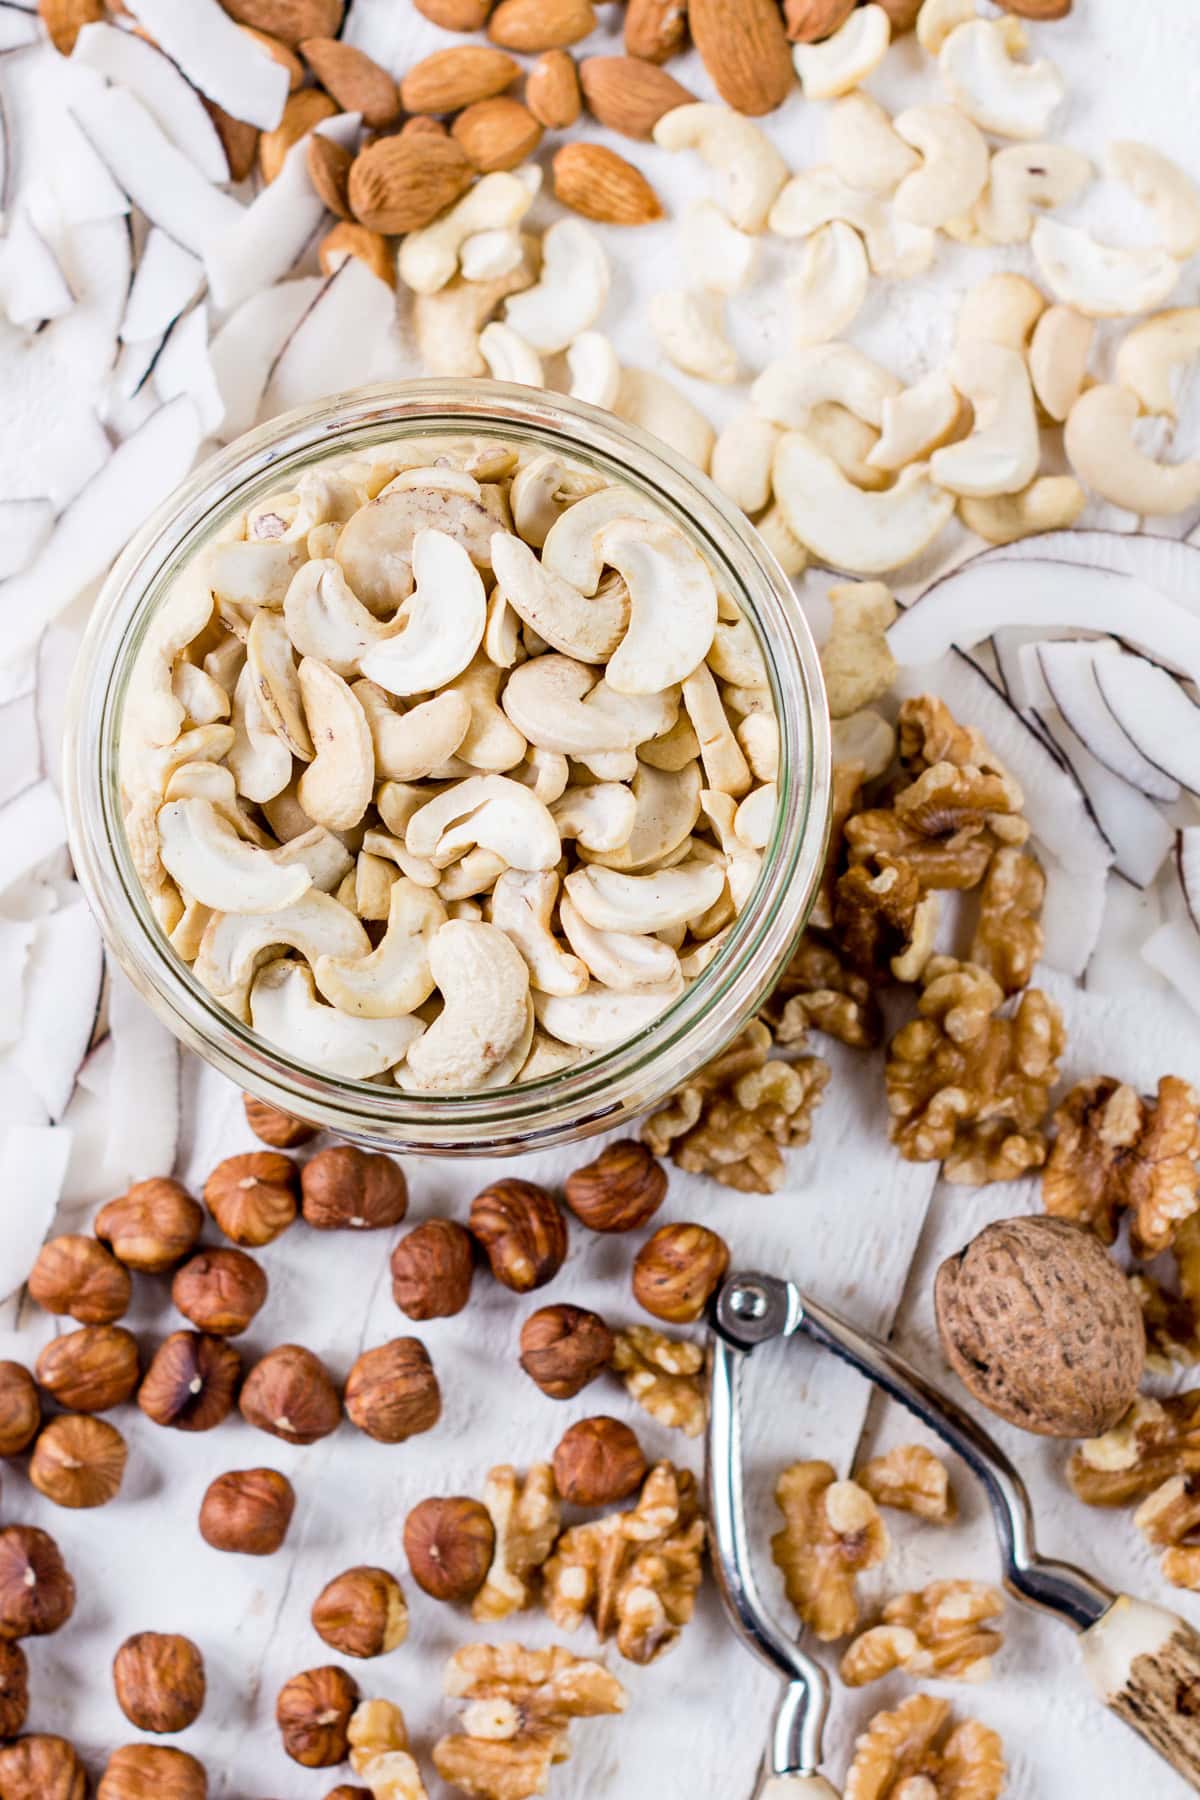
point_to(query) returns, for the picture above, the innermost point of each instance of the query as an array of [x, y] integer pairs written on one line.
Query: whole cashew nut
[[284, 1008], [522, 906], [916, 422], [716, 252], [1000, 455], [1100, 445], [864, 148], [594, 370], [864, 533], [207, 859], [689, 326], [444, 620], [1151, 357], [954, 170], [750, 169], [847, 58], [742, 458], [428, 258], [1025, 176], [1003, 309], [788, 389], [1160, 184], [1051, 503], [1096, 279], [232, 944], [569, 295], [830, 285], [395, 978], [509, 357], [672, 606], [484, 981], [1011, 99], [336, 787]]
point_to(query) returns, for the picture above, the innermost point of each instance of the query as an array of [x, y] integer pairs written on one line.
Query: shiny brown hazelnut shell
[[361, 1613], [343, 1188], [152, 1772], [151, 1227], [220, 1291], [392, 1392], [677, 1270], [79, 1461], [523, 1233], [20, 1409], [432, 1269], [159, 1681], [253, 1197], [598, 1461], [278, 1129], [345, 1792], [313, 1712], [247, 1511], [563, 1348], [192, 1382], [78, 1275], [90, 1370], [41, 1767], [449, 1542], [14, 1692], [37, 1594], [621, 1191], [291, 1394]]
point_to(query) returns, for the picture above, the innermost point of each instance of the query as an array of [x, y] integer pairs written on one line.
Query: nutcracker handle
[[1144, 1662]]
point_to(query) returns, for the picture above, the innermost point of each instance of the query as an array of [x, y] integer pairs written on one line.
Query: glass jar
[[590, 1096]]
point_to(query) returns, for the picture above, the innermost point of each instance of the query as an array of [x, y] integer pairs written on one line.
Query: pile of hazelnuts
[[195, 1378]]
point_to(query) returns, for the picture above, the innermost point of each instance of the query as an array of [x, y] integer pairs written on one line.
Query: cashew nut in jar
[[455, 767]]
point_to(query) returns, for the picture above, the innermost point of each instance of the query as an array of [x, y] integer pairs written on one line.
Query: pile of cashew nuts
[[451, 766]]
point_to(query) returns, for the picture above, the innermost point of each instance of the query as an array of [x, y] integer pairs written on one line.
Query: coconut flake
[[62, 999], [1068, 671], [98, 524], [168, 279], [32, 827], [56, 656], [33, 1162], [18, 29], [1140, 837], [1171, 566], [160, 179], [185, 367], [24, 527], [333, 347], [1155, 714], [151, 77], [218, 59], [16, 941], [21, 764], [82, 185], [1072, 914], [32, 286], [244, 350], [143, 1094]]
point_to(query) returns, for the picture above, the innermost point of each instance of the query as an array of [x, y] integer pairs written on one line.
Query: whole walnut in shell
[[1042, 1327]]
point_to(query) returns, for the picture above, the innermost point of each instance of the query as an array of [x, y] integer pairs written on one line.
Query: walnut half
[[1115, 1151], [664, 1375], [832, 1532], [941, 1631], [910, 1754]]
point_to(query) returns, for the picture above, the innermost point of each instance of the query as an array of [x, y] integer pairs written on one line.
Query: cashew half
[[569, 295], [599, 816], [611, 900], [1058, 359], [509, 357], [447, 324], [522, 906], [541, 491], [560, 704], [830, 285], [789, 388], [622, 960], [1015, 100], [866, 534], [1160, 184], [600, 1018], [1003, 309], [207, 859], [1097, 279], [672, 606], [376, 548], [666, 807], [845, 59], [749, 168], [484, 982], [234, 944], [916, 422], [491, 743], [261, 762], [1025, 176], [716, 253], [817, 196], [284, 1008], [1001, 453], [410, 745], [648, 399], [720, 752], [864, 149], [954, 169], [277, 688], [742, 458], [395, 978], [335, 789], [428, 258], [594, 370], [1152, 357], [689, 325], [1051, 503], [153, 712], [444, 621], [586, 628], [1099, 441]]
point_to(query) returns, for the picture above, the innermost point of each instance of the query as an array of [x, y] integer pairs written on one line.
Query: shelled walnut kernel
[[832, 1534], [941, 1632], [912, 1749], [911, 1479], [664, 1375], [525, 1517]]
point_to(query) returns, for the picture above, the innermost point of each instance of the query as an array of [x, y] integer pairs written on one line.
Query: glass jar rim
[[585, 1096]]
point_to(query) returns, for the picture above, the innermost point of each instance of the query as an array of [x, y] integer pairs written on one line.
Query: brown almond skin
[[392, 1392], [449, 1544], [192, 1381], [287, 59], [598, 184], [291, 1394], [329, 172], [151, 1227], [346, 1188], [598, 1461], [279, 1129], [677, 1271], [808, 21], [621, 1191], [361, 1613], [247, 1511], [432, 1269], [655, 29], [903, 13], [745, 51], [79, 1461], [37, 1593], [628, 95], [90, 1370], [451, 79], [159, 1681], [65, 19], [220, 1291], [349, 238], [356, 82], [523, 1233], [253, 1197], [455, 15], [141, 1771], [77, 1275], [313, 1711], [291, 21], [497, 134], [563, 1348], [552, 90], [1026, 9], [14, 1694], [531, 25], [239, 141], [42, 1767], [400, 184], [20, 1409]]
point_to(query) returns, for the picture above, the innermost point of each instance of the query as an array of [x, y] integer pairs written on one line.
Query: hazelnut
[[392, 1392], [677, 1270], [361, 1613], [291, 1394], [247, 1511], [77, 1275], [152, 1772], [449, 1545], [152, 1227], [191, 1382], [78, 1461], [41, 1767], [345, 1187], [522, 1231], [312, 1712], [276, 1128], [14, 1694], [432, 1269], [37, 1594], [91, 1369], [220, 1291], [343, 1792], [159, 1681], [20, 1411], [598, 1461], [253, 1197], [620, 1191], [563, 1348]]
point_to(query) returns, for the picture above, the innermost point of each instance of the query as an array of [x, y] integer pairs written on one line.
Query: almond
[[533, 25], [903, 13], [451, 79], [302, 111], [743, 46], [287, 59], [808, 21], [350, 239], [238, 140], [329, 172], [655, 29], [629, 96], [65, 19], [399, 184], [497, 134], [1032, 9], [356, 82], [421, 125], [601, 185], [552, 90], [455, 15], [291, 21]]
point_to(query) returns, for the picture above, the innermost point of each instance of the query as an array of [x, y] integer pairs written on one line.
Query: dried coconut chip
[[247, 346], [83, 188], [32, 286], [33, 1163], [24, 527], [159, 179], [18, 29], [333, 346], [144, 1093], [148, 76], [218, 58], [62, 999], [184, 366], [168, 279]]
